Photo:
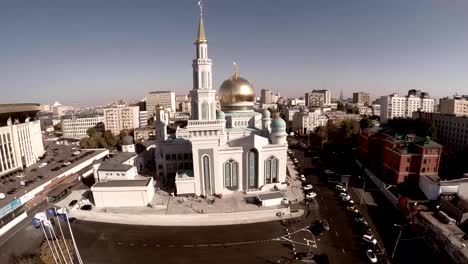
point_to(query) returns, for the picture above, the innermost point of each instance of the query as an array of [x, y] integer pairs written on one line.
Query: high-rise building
[[361, 98], [458, 105], [60, 110], [117, 119], [183, 103], [166, 99], [143, 114], [20, 137], [394, 105], [266, 96], [318, 98], [76, 126]]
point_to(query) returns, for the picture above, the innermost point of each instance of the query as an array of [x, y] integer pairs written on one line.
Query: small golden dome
[[236, 94]]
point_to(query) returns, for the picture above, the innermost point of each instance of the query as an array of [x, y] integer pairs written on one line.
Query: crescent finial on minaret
[[200, 5]]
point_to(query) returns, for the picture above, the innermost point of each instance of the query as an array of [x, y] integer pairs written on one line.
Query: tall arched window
[[253, 168], [205, 110], [271, 169], [206, 174], [231, 174]]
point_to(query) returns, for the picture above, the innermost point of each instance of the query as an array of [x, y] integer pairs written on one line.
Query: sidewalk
[[187, 219]]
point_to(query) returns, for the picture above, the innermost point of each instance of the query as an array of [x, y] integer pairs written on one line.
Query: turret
[[278, 131], [266, 121]]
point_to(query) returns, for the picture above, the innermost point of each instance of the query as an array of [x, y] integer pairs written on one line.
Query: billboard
[[13, 205]]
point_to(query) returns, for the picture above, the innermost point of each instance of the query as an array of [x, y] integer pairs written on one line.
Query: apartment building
[[458, 105], [76, 126], [394, 105], [117, 119], [166, 99], [361, 98]]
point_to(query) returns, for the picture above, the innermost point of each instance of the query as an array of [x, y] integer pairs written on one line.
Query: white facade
[[305, 121], [143, 118], [393, 106], [166, 99], [75, 126], [456, 106], [117, 119], [219, 153], [266, 96], [289, 113], [132, 193], [20, 145]]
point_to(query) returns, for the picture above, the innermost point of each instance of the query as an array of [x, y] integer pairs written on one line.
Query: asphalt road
[[268, 242]]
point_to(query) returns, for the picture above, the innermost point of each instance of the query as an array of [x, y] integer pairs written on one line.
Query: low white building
[[306, 121], [432, 186], [123, 193]]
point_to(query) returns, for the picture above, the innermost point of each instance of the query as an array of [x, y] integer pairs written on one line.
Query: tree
[[46, 255], [340, 106], [321, 131], [110, 139], [91, 132], [365, 123]]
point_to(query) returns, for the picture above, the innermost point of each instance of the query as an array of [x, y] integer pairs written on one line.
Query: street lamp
[[398, 239], [363, 186]]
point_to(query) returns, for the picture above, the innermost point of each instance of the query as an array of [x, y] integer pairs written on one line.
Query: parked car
[[42, 165], [317, 230], [86, 207], [303, 178], [72, 203], [2, 196], [340, 188], [371, 256], [369, 239], [359, 219], [12, 191], [11, 180], [352, 209], [308, 187], [324, 224], [310, 195]]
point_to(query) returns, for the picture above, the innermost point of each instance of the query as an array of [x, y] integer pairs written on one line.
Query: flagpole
[[48, 243], [58, 245], [80, 261], [55, 247], [63, 238]]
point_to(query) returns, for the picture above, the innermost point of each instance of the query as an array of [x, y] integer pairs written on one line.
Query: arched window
[[206, 174], [231, 174], [204, 110], [271, 169], [253, 168]]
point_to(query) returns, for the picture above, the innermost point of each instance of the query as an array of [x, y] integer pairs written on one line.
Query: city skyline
[[88, 53]]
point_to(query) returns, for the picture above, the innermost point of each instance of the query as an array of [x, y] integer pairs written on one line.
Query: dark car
[[86, 207], [72, 203], [317, 230], [39, 177], [11, 180], [12, 191]]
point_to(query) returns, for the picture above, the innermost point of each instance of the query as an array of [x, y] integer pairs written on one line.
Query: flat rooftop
[[270, 196], [114, 167], [123, 183]]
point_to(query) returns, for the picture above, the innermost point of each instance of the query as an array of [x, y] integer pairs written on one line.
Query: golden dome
[[236, 94]]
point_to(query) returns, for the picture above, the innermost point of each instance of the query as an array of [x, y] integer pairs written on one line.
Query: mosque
[[221, 151]]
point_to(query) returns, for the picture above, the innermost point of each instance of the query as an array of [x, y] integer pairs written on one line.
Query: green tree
[[110, 139], [340, 106], [365, 123], [91, 132], [322, 132]]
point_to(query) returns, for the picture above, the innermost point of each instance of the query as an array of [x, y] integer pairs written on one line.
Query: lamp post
[[363, 186], [398, 239]]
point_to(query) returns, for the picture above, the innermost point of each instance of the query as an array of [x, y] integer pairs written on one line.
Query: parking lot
[[56, 160]]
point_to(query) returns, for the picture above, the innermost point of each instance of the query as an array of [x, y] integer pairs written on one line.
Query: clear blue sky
[[97, 51]]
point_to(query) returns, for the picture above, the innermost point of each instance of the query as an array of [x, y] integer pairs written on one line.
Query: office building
[[394, 105], [361, 98], [76, 126], [20, 137], [305, 122], [458, 105], [318, 98], [166, 99], [117, 119]]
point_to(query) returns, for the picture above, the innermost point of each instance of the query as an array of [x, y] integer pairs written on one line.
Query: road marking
[[157, 245], [336, 234], [145, 245], [131, 244], [216, 245], [202, 245], [188, 245], [342, 250]]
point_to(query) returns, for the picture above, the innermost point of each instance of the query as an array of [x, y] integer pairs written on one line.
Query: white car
[[42, 165], [303, 177], [344, 195], [340, 188], [369, 239], [2, 196], [75, 153], [308, 187], [371, 256], [67, 163], [328, 172], [310, 195]]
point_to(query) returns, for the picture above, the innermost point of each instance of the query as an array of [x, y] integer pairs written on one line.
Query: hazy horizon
[[90, 53]]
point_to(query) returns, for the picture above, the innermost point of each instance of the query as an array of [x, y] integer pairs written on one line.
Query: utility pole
[[398, 239]]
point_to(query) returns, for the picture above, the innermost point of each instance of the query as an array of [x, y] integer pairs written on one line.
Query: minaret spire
[[201, 37]]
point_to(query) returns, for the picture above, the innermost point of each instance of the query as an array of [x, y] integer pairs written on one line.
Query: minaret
[[203, 96]]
